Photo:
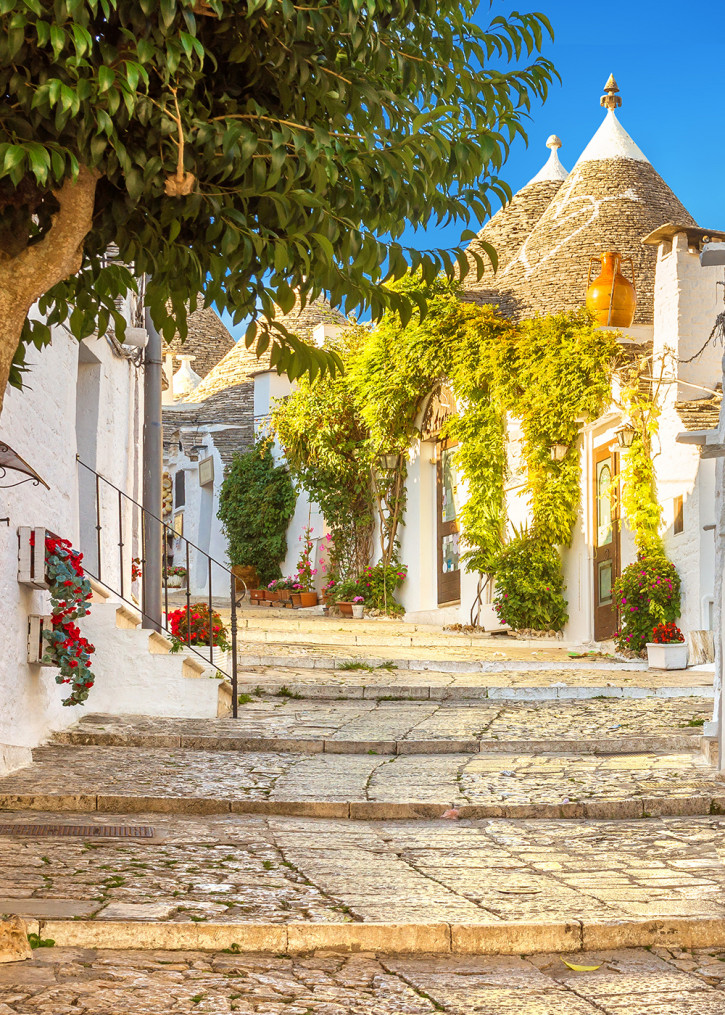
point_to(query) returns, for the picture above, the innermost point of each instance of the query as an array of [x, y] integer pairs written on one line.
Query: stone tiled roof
[[232, 406], [611, 200], [240, 363], [208, 340], [700, 413], [512, 224]]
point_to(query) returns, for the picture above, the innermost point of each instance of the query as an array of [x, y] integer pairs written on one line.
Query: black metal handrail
[[145, 516]]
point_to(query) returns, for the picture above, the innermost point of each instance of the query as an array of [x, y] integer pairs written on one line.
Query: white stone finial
[[611, 100], [553, 169], [185, 379]]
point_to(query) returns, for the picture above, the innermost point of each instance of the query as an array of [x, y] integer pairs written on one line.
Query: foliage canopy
[[245, 151]]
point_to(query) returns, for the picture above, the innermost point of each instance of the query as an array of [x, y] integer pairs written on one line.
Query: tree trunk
[[24, 279]]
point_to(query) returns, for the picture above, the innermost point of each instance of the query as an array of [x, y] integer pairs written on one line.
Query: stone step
[[287, 885], [272, 682], [310, 659], [612, 726], [385, 787]]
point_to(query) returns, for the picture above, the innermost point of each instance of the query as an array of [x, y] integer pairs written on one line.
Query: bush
[[647, 594], [199, 625], [256, 503], [530, 585]]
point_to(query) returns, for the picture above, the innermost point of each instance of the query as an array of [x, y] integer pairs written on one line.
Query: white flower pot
[[358, 610], [175, 581], [221, 658], [667, 657]]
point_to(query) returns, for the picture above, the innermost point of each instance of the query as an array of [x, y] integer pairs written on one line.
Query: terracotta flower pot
[[297, 599], [272, 597], [308, 599], [257, 595], [345, 609]]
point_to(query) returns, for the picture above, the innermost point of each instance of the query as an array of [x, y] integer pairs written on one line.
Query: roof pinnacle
[[611, 100], [553, 141]]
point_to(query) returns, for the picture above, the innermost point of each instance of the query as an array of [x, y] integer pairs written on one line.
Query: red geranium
[[667, 634]]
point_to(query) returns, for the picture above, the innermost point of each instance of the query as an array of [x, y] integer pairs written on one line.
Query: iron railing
[[111, 505]]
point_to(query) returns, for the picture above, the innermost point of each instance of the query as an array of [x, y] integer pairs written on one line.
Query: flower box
[[358, 611], [257, 595], [296, 599], [667, 657], [345, 609], [31, 556], [36, 642], [272, 596], [176, 581]]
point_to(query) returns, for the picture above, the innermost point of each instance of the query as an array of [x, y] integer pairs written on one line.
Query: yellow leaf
[[581, 969]]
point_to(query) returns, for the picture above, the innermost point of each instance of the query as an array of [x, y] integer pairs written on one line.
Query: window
[[179, 489], [679, 520]]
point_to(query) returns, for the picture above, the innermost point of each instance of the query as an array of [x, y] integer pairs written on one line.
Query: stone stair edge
[[696, 804], [662, 743], [505, 937]]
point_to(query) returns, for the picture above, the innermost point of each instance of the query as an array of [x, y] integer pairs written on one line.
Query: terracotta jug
[[611, 297]]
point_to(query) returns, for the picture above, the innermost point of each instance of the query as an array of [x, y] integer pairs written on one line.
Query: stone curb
[[690, 805], [332, 662], [281, 745], [501, 938], [443, 692]]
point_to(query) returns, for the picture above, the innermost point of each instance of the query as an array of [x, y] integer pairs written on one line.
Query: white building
[[82, 399], [613, 199]]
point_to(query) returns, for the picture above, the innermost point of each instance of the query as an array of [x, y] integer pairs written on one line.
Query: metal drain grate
[[80, 831]]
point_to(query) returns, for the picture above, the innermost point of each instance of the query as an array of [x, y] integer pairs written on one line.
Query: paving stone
[[176, 779], [61, 980]]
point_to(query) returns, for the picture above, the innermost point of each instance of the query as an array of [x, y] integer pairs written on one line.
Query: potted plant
[[668, 649], [303, 593], [358, 607], [196, 627], [343, 593], [175, 577], [273, 590]]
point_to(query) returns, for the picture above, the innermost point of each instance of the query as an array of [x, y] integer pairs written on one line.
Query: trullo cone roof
[[611, 200]]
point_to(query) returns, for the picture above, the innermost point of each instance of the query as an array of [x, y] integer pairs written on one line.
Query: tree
[[245, 152]]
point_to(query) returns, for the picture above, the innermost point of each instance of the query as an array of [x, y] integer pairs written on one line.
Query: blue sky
[[669, 62]]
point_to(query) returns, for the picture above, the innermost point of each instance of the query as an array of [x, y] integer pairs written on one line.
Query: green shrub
[[256, 503], [530, 585], [647, 594]]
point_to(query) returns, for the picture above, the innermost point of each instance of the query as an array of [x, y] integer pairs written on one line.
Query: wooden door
[[449, 569], [606, 543]]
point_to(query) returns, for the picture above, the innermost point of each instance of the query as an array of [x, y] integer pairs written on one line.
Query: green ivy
[[256, 504], [551, 373]]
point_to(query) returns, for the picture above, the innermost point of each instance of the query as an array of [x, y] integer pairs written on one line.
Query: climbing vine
[[256, 503], [640, 402], [552, 374]]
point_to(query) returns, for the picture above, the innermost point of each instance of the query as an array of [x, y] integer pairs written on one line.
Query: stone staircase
[[136, 672], [478, 804]]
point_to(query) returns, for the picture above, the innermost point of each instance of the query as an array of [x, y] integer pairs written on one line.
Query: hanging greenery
[[256, 503], [552, 374], [639, 400]]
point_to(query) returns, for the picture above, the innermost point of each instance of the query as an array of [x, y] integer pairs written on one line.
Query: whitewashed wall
[[43, 424]]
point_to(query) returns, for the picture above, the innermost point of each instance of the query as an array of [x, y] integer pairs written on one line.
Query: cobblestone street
[[62, 981], [444, 822]]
